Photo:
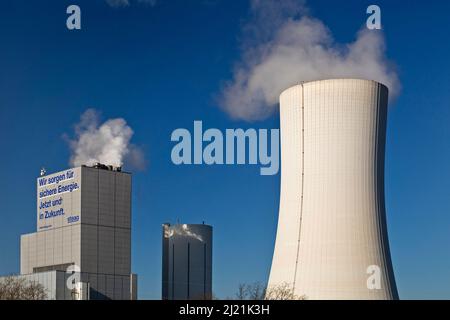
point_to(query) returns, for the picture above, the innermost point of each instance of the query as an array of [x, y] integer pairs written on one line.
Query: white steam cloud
[[107, 143], [282, 46], [184, 230]]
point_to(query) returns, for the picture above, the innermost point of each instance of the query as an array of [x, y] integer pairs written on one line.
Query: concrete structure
[[83, 223], [187, 262], [332, 238]]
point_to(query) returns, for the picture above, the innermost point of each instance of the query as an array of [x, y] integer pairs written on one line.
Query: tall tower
[[83, 224], [332, 240], [187, 262]]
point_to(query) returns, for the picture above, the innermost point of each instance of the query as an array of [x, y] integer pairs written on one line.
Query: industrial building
[[187, 262], [82, 247], [332, 239]]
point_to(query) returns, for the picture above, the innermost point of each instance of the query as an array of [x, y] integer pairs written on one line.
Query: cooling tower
[[332, 240]]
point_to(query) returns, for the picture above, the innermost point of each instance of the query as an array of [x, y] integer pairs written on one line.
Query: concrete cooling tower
[[332, 240]]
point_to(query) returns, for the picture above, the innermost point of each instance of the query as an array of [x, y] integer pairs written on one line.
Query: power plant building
[[83, 228], [187, 262], [332, 240]]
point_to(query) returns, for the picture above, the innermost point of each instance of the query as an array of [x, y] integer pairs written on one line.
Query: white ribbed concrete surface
[[332, 221]]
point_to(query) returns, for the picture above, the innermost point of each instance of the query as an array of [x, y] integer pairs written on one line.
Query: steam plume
[[282, 46], [184, 230], [107, 143]]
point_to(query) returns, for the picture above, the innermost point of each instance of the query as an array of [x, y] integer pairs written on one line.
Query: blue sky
[[160, 68]]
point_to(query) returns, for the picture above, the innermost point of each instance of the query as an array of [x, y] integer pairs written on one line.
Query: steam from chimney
[[184, 230], [282, 46], [107, 143]]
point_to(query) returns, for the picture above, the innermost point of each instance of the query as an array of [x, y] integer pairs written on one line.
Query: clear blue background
[[160, 68]]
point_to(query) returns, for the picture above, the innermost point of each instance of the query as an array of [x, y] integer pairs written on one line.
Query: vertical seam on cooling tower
[[302, 187]]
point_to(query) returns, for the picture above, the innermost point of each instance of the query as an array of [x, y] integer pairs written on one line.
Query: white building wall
[[51, 247], [332, 224], [99, 243]]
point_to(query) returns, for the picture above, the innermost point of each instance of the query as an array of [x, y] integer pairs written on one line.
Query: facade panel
[[89, 192], [106, 250], [89, 248], [106, 198], [123, 201]]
